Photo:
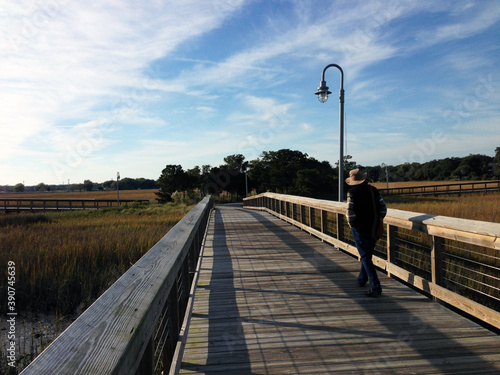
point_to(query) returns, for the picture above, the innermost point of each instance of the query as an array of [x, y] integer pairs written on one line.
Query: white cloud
[[64, 59], [465, 27], [307, 127]]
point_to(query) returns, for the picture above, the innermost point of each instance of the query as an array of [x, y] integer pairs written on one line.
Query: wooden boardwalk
[[272, 299]]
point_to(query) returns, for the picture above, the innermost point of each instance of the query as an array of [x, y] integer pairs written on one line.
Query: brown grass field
[[109, 194], [477, 206]]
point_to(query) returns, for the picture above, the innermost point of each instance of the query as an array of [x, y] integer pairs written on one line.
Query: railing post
[[172, 326], [340, 226], [436, 259], [185, 286], [391, 245], [192, 258], [146, 366], [323, 220]]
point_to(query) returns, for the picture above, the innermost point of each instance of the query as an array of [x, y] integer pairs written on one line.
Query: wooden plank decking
[[272, 299]]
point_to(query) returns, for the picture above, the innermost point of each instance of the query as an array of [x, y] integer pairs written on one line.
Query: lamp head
[[323, 92]]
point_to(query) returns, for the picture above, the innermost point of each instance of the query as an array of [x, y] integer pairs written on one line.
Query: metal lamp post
[[383, 165], [117, 188], [244, 169], [323, 93]]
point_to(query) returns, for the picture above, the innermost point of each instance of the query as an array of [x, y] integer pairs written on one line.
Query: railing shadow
[[225, 333]]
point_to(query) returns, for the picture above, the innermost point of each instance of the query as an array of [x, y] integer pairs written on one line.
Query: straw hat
[[355, 177]]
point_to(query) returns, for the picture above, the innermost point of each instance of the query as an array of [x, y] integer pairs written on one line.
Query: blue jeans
[[365, 245]]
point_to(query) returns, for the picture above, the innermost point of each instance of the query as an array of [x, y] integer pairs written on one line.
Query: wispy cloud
[[66, 59], [464, 26]]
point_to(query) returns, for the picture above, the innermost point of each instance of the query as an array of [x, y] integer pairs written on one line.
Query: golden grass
[[66, 260], [405, 184], [109, 194], [477, 206]]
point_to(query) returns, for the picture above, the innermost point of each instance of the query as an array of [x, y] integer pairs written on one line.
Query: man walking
[[364, 204]]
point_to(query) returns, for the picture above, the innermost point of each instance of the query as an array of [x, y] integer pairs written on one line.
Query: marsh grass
[[64, 261], [477, 206]]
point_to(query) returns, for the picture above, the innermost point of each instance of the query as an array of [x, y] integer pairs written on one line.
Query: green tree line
[[286, 171], [87, 185], [294, 172]]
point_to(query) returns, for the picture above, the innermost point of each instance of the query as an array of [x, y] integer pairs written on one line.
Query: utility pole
[[117, 188]]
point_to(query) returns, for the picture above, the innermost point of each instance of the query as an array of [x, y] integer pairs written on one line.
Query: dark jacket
[[360, 214]]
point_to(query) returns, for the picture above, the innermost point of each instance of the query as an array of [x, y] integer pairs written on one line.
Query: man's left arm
[[382, 207]]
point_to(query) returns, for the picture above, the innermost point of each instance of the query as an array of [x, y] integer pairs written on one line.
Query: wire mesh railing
[[454, 260]]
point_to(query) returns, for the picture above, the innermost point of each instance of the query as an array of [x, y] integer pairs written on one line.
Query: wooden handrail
[[453, 188], [116, 335], [439, 239], [18, 204]]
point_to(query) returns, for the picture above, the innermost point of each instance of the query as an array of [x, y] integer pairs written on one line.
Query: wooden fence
[[454, 260], [59, 204], [133, 328], [455, 188]]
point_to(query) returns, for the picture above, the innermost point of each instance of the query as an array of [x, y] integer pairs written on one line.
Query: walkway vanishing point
[[272, 299]]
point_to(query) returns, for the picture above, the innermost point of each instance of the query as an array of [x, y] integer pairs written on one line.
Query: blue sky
[[91, 88]]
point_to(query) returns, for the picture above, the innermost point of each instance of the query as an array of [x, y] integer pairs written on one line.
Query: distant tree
[[109, 184], [205, 179], [376, 173], [128, 184], [282, 169], [235, 178], [19, 188], [193, 180], [172, 179], [348, 165], [41, 187], [415, 172], [292, 172], [473, 167], [131, 184], [234, 161], [444, 169], [402, 171], [88, 185], [257, 172], [306, 182], [143, 183], [496, 161]]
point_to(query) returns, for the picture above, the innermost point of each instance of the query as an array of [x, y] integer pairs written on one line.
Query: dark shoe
[[362, 284], [372, 293]]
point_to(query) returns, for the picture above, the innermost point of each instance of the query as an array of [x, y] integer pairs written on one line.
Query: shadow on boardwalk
[[226, 330]]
